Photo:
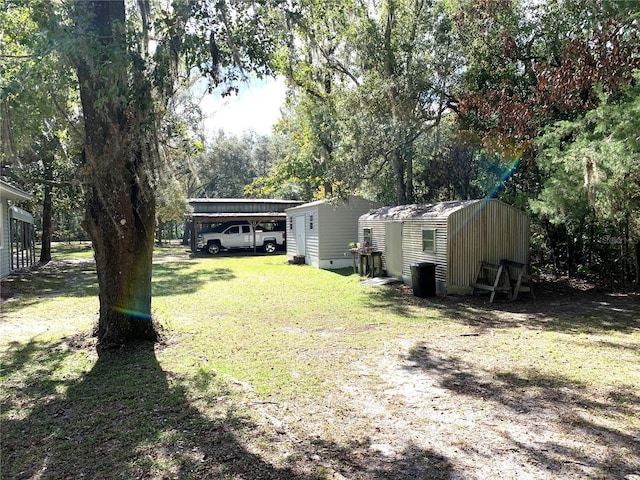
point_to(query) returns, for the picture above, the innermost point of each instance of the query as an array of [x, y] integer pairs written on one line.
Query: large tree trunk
[[47, 210], [47, 227], [636, 248], [47, 203], [121, 231], [397, 160], [408, 159], [398, 172], [119, 154]]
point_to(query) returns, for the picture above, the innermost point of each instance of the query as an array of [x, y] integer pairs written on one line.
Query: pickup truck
[[268, 236]]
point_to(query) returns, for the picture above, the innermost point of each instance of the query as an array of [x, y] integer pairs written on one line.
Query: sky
[[257, 107]]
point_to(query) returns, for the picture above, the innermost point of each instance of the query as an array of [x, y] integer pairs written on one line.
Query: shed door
[[300, 234], [393, 248]]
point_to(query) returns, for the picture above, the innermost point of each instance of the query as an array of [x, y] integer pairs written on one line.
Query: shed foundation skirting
[[458, 290], [442, 288], [336, 263]]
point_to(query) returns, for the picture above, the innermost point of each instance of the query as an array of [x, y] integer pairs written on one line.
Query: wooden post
[[253, 227], [194, 228]]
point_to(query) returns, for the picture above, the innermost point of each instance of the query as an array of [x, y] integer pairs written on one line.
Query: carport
[[212, 211], [200, 219]]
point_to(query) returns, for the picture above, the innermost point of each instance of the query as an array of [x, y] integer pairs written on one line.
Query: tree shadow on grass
[[172, 279], [563, 402], [584, 314], [358, 462], [394, 299], [343, 272], [128, 418], [74, 278], [579, 312], [78, 278]]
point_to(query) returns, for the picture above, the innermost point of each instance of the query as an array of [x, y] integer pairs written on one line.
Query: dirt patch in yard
[[445, 407]]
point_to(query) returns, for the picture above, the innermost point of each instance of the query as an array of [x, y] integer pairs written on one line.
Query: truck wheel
[[213, 248], [270, 247]]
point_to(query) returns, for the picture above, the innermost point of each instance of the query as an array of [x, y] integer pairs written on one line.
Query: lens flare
[[133, 313], [506, 174]]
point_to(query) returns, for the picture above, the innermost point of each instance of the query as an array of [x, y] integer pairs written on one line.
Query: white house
[[17, 234], [321, 231], [456, 236]]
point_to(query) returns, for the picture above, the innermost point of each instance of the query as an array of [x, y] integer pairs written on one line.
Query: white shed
[[321, 231], [17, 237], [456, 236]]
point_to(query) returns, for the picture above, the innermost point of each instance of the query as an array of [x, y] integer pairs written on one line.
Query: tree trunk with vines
[[119, 169]]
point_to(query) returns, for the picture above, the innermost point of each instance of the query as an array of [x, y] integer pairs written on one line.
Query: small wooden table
[[354, 255], [370, 263]]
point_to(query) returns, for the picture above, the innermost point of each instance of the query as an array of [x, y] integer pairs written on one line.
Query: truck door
[[232, 237], [247, 236]]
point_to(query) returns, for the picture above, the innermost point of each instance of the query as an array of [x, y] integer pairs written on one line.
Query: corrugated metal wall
[[467, 245], [480, 231], [412, 248], [378, 240], [377, 233], [488, 231]]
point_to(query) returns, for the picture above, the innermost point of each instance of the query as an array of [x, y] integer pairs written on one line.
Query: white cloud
[[257, 107]]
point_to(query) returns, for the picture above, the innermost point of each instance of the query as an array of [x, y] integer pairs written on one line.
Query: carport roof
[[238, 217]]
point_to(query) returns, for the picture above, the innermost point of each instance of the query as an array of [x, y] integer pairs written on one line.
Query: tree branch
[[18, 56], [66, 117]]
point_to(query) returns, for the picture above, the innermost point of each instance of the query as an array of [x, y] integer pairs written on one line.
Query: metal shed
[[321, 231], [456, 236]]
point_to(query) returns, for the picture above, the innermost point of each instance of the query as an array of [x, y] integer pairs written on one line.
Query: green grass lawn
[[257, 356]]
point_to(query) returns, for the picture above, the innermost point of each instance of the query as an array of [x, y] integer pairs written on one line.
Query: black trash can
[[423, 279]]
